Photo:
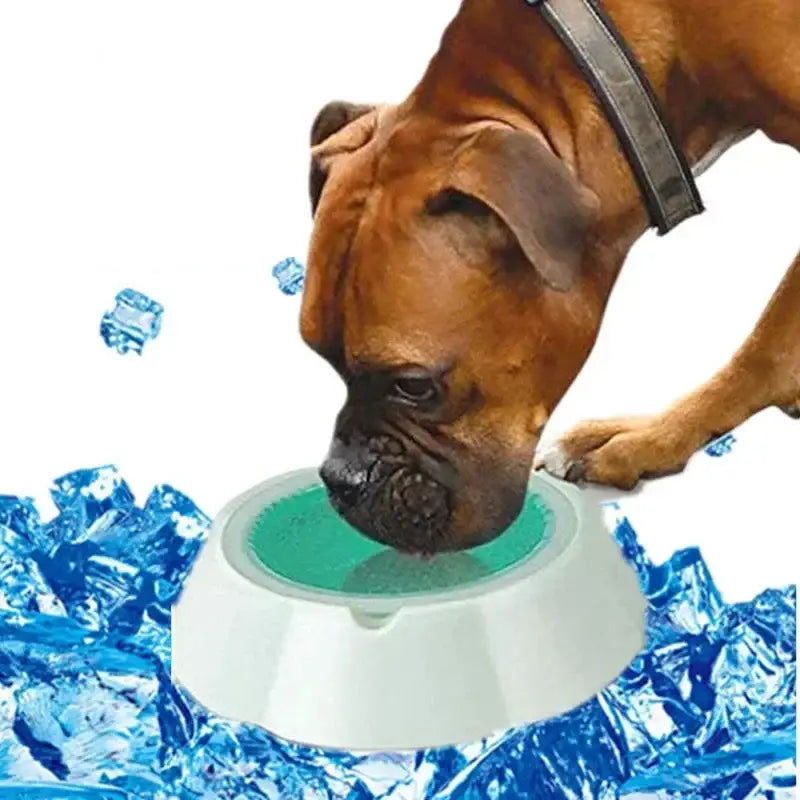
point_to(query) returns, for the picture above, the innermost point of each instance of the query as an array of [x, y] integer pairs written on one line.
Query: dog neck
[[501, 61]]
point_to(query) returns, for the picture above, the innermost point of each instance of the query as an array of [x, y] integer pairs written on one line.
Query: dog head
[[445, 286]]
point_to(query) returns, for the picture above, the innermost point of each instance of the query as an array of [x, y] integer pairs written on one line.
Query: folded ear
[[333, 117], [544, 208], [333, 134]]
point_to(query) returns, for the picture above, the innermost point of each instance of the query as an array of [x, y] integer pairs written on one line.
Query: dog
[[465, 244]]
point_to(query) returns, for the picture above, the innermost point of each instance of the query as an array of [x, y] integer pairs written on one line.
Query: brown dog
[[466, 243]]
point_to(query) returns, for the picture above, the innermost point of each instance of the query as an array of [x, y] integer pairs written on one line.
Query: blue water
[[290, 275], [88, 710], [135, 320]]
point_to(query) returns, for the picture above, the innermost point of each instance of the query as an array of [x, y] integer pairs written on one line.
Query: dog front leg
[[764, 372]]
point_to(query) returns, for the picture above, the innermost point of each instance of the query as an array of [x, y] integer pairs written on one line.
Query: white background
[[162, 145]]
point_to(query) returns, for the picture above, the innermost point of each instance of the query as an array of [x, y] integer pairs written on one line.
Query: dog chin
[[384, 519], [399, 505], [407, 511]]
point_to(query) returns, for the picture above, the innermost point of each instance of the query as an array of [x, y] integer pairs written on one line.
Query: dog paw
[[553, 460], [617, 452]]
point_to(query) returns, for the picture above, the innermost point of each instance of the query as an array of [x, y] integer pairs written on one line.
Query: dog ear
[[546, 210], [334, 118]]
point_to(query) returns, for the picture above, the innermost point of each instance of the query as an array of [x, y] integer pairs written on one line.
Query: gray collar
[[664, 177]]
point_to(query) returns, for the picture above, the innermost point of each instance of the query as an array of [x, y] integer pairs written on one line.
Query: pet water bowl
[[293, 621]]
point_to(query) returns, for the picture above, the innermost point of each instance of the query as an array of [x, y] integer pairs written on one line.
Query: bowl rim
[[232, 527]]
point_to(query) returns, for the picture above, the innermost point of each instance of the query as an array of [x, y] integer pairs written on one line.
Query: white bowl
[[360, 673]]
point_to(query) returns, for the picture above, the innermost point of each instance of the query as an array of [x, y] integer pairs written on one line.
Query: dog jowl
[[407, 486]]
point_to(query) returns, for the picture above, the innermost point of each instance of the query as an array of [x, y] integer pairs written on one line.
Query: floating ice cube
[[722, 446], [290, 276], [135, 321]]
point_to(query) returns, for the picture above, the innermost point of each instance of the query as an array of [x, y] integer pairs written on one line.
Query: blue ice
[[134, 321], [722, 446], [290, 276], [88, 709]]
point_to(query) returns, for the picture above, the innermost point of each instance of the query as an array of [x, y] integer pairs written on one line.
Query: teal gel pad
[[301, 539]]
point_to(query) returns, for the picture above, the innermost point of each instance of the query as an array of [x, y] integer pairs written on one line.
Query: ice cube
[[135, 320], [75, 709], [683, 598], [19, 514], [755, 673], [106, 594], [578, 755], [722, 446], [112, 567], [290, 275], [118, 568], [682, 595], [163, 540], [719, 703], [22, 585], [629, 544], [717, 779], [98, 497]]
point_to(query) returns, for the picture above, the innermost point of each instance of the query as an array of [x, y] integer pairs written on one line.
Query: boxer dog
[[466, 242]]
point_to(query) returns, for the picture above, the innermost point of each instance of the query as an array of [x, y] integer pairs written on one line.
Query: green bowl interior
[[302, 540]]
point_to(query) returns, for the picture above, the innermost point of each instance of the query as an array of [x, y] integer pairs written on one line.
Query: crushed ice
[[88, 709]]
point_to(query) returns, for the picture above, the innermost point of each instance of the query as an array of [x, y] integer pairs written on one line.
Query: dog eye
[[414, 390]]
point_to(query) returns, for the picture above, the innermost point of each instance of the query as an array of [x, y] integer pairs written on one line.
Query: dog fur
[[477, 230]]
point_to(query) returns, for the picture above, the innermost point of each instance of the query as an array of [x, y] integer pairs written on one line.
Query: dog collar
[[628, 99]]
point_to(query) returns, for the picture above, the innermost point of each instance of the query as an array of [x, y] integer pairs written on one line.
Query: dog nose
[[344, 483]]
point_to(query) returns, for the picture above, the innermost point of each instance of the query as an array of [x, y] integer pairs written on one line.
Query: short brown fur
[[483, 223]]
